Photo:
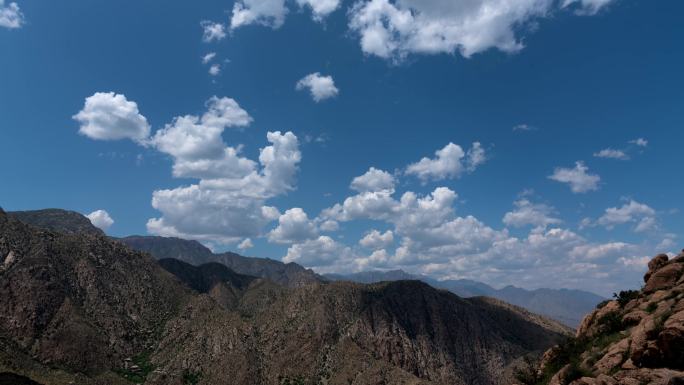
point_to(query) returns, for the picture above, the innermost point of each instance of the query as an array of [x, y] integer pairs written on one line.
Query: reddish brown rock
[[664, 278]]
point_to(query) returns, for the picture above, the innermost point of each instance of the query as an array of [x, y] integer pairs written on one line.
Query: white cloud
[[524, 127], [100, 219], [630, 212], [10, 15], [598, 251], [270, 13], [528, 213], [228, 203], [373, 180], [611, 153], [578, 178], [320, 87], [588, 7], [376, 240], [641, 142], [329, 225], [395, 29], [215, 69], [475, 157], [449, 162], [212, 31], [208, 57], [322, 251], [320, 8], [245, 244], [293, 226], [110, 116]]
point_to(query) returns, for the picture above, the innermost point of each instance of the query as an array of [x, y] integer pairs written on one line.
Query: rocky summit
[[86, 309], [635, 339]]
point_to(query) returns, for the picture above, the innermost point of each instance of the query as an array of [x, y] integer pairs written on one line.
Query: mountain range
[[564, 305], [83, 308]]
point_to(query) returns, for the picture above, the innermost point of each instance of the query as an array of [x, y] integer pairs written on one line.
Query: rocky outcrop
[[638, 338]]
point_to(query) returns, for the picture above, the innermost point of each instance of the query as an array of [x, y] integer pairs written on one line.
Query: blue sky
[[105, 105]]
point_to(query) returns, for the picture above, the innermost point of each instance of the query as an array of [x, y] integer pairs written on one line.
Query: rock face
[[194, 253], [638, 338], [85, 309]]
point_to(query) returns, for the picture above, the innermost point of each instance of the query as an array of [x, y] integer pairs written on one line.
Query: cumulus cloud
[[319, 252], [528, 213], [611, 153], [228, 203], [320, 87], [100, 219], [376, 240], [587, 7], [449, 162], [212, 31], [208, 57], [320, 8], [245, 244], [578, 178], [631, 212], [641, 142], [270, 13], [10, 15], [394, 29], [110, 116], [215, 69], [293, 226], [373, 180]]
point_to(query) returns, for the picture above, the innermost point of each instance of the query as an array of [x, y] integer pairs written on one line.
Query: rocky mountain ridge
[[564, 305], [635, 339]]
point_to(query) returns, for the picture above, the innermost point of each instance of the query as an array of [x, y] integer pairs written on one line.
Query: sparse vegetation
[[651, 307], [299, 380], [145, 367], [625, 296], [191, 377]]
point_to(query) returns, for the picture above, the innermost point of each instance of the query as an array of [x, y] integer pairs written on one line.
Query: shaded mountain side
[[564, 305], [403, 332], [62, 221], [79, 302], [202, 278], [638, 338], [193, 252]]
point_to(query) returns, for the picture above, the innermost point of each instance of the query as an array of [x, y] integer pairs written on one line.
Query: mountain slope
[[403, 332], [63, 221], [638, 338], [287, 274], [567, 306], [78, 301]]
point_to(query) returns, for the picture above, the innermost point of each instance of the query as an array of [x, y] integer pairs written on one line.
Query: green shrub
[[191, 377], [651, 307], [625, 296]]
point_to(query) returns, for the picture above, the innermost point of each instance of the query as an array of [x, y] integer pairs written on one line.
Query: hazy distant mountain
[[564, 305], [63, 221], [86, 309], [193, 252]]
